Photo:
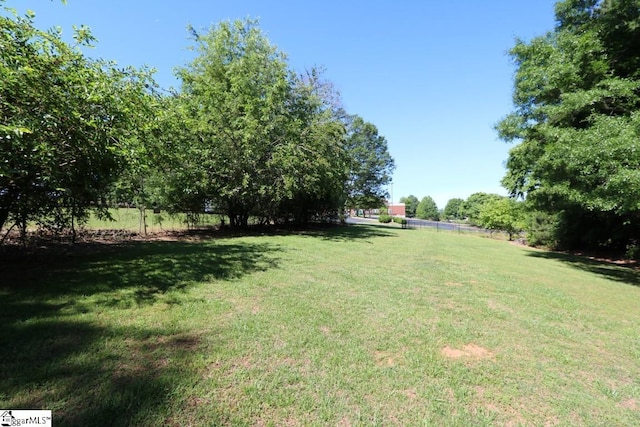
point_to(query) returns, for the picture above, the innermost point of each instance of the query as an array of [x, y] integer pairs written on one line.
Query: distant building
[[393, 209], [396, 209]]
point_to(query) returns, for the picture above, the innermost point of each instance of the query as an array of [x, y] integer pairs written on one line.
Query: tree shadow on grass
[[96, 376], [340, 233], [325, 231], [355, 232], [147, 269], [57, 354], [608, 270]]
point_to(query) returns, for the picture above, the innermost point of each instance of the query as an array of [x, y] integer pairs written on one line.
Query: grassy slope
[[352, 326]]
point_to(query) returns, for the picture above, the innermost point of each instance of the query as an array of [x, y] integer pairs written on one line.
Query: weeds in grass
[[355, 325]]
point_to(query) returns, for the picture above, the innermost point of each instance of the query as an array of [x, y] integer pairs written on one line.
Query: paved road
[[422, 223]]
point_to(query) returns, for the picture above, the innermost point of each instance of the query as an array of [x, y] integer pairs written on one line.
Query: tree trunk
[[73, 226], [4, 215], [143, 219]]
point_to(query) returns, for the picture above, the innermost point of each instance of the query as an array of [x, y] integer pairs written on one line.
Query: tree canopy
[[577, 123], [371, 165], [453, 209], [66, 122], [427, 209], [411, 203], [503, 214], [245, 136], [260, 140], [473, 205]]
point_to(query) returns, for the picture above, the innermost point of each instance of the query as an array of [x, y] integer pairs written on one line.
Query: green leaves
[[64, 118], [502, 214], [261, 141], [577, 101], [427, 209], [371, 165]]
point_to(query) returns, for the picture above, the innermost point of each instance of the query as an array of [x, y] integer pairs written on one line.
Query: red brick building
[[396, 209], [393, 209]]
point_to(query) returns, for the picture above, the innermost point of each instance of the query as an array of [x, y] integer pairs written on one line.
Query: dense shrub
[[633, 251], [384, 218]]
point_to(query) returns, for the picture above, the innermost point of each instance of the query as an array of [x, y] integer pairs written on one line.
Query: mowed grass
[[346, 326], [129, 219]]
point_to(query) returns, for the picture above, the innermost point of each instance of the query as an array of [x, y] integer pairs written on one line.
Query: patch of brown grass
[[468, 351]]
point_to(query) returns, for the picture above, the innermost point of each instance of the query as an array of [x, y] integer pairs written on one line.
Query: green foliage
[[245, 136], [234, 94], [502, 214], [472, 207], [427, 209], [65, 125], [577, 121], [541, 229], [384, 218], [400, 220], [255, 140], [633, 251], [410, 204], [454, 209], [371, 165]]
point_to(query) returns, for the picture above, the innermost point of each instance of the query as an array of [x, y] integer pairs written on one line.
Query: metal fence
[[449, 226]]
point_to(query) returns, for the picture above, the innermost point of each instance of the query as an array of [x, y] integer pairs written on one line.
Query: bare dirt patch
[[412, 393], [632, 404], [468, 351], [388, 359]]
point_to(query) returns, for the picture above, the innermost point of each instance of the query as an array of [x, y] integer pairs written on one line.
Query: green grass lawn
[[129, 219], [346, 326]]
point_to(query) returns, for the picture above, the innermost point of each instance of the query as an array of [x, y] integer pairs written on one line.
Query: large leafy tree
[[235, 94], [65, 123], [503, 214], [410, 205], [371, 165], [453, 209], [256, 140], [313, 165], [577, 123], [473, 205], [427, 209]]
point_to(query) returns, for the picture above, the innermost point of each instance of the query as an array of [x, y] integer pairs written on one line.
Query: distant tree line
[[490, 211], [245, 136], [574, 172], [425, 208]]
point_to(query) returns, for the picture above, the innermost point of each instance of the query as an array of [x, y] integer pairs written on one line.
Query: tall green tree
[[411, 203], [235, 93], [371, 165], [256, 140], [453, 209], [65, 123], [503, 214], [473, 205], [577, 123], [427, 209], [314, 164]]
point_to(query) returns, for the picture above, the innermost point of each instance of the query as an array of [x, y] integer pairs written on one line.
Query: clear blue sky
[[433, 76]]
